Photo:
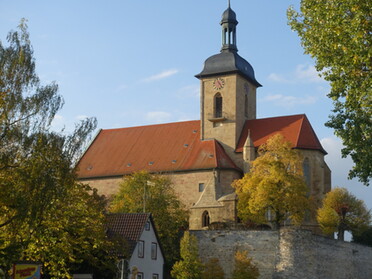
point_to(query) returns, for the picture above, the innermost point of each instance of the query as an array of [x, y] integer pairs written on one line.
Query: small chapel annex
[[203, 157]]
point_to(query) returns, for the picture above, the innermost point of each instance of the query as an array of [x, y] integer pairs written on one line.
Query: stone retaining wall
[[288, 254]]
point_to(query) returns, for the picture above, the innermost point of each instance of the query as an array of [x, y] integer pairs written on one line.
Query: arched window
[[205, 219], [218, 105], [307, 172]]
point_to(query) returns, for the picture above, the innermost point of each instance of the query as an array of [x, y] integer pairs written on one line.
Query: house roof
[[295, 128], [128, 226], [155, 148]]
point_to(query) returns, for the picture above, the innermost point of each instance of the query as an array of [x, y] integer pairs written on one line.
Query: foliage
[[275, 183], [46, 215], [213, 270], [342, 211], [190, 266], [244, 268], [364, 237], [134, 272], [153, 193], [338, 35]]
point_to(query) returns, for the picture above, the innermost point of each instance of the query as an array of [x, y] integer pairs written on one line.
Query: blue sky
[[132, 63]]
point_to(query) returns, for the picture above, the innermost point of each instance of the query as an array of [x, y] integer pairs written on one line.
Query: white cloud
[[190, 91], [161, 75], [340, 166], [58, 122], [307, 73], [158, 116], [121, 87], [81, 117], [302, 73], [289, 101], [277, 78]]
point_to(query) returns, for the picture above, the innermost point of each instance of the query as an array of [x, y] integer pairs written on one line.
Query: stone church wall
[[288, 254], [107, 186], [185, 184], [216, 184]]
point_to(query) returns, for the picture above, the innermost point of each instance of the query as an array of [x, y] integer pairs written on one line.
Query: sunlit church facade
[[203, 157]]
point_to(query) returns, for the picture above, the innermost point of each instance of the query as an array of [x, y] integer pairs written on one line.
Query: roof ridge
[[300, 130], [87, 147], [128, 213], [281, 116], [314, 134], [149, 125]]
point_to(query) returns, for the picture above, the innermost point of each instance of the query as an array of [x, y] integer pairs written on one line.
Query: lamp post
[[148, 183]]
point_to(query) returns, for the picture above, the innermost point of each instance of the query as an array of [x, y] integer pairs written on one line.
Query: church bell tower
[[228, 89]]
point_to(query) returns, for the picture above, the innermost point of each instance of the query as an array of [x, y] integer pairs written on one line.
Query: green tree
[[364, 237], [338, 35], [213, 270], [275, 183], [145, 192], [244, 268], [342, 211], [190, 266], [46, 215]]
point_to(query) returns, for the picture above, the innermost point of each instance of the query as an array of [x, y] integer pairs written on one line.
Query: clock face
[[218, 83]]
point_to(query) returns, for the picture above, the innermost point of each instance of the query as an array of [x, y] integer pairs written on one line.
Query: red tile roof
[[155, 148], [128, 226], [295, 128]]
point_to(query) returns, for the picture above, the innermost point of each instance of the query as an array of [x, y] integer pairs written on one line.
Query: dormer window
[[147, 226]]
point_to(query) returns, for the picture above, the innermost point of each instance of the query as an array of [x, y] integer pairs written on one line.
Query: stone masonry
[[288, 254]]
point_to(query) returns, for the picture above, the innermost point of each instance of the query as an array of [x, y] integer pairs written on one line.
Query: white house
[[146, 258]]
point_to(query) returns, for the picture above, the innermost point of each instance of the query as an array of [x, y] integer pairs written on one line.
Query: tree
[[145, 192], [364, 237], [342, 211], [338, 35], [275, 183], [190, 266], [46, 215], [213, 270], [243, 267]]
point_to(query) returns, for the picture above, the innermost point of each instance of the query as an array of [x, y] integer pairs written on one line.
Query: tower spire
[[229, 24]]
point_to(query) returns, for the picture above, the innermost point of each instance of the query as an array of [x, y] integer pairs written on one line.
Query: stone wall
[[217, 197], [288, 254]]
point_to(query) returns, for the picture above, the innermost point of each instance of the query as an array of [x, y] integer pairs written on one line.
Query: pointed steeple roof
[[229, 23], [228, 61]]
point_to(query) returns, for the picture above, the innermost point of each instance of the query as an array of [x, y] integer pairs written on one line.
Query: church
[[203, 157]]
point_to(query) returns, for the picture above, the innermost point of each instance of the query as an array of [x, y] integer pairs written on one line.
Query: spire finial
[[228, 24]]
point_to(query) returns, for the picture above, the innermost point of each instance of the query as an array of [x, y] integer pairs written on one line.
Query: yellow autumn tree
[[244, 268], [213, 270], [190, 266], [342, 211], [275, 184]]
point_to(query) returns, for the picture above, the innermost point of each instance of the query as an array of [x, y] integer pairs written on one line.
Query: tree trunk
[[341, 234]]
